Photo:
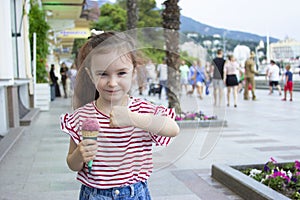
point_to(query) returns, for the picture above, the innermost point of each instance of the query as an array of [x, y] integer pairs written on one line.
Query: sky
[[278, 18]]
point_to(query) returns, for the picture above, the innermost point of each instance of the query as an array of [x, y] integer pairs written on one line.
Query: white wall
[[6, 58]]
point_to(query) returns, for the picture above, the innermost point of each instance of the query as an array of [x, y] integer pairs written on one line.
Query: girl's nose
[[112, 82]]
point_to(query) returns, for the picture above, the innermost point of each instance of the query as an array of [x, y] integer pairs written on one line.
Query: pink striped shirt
[[124, 154]]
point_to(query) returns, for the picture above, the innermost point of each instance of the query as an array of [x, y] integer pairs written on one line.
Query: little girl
[[122, 153]]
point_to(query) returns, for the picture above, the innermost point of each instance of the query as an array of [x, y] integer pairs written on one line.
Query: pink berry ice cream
[[90, 125]]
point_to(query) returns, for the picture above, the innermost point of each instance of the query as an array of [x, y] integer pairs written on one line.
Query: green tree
[[113, 18], [38, 25], [148, 14]]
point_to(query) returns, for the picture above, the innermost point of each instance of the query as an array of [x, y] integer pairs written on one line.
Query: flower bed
[[261, 181], [194, 116], [284, 178], [198, 119]]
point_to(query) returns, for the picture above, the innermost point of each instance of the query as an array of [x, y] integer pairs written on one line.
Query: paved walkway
[[35, 166]]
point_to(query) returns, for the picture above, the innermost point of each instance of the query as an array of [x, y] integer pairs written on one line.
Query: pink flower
[[191, 115], [273, 160], [280, 174], [177, 118]]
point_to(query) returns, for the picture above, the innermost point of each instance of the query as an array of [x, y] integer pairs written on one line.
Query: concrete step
[[29, 117], [204, 186], [9, 140]]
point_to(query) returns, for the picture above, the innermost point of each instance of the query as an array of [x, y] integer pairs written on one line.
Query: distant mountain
[[190, 25]]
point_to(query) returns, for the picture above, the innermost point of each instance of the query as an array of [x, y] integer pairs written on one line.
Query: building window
[[16, 7]]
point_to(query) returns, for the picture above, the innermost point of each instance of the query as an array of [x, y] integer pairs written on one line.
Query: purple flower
[[294, 179], [297, 165], [266, 167]]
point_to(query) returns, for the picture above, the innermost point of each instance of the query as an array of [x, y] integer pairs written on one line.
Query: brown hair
[[85, 90], [230, 57], [219, 51], [288, 67]]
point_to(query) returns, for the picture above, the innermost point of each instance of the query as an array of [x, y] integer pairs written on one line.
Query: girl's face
[[112, 76]]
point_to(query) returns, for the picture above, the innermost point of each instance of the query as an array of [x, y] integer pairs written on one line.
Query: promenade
[[35, 166]]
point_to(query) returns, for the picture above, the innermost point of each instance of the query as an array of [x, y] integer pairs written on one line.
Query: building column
[[13, 106], [3, 115]]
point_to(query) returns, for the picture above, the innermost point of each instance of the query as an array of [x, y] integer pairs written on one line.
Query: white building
[[285, 50], [17, 96], [15, 66], [194, 50]]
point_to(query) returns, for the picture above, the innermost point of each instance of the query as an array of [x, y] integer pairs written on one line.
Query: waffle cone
[[87, 134]]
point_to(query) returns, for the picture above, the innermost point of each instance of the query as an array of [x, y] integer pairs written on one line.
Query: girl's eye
[[101, 74], [122, 73]]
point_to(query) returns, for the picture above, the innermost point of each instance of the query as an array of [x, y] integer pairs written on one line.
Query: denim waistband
[[116, 192]]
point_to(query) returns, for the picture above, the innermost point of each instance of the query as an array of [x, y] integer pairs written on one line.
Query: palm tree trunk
[[132, 16], [171, 23]]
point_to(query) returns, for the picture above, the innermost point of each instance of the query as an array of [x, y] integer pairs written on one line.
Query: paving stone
[[35, 165]]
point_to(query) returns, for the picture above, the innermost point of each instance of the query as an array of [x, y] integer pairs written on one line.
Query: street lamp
[[224, 42]]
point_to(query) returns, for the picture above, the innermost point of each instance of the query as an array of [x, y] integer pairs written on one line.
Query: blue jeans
[[137, 191]]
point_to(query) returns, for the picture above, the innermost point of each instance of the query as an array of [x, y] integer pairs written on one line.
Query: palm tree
[[132, 16], [171, 23]]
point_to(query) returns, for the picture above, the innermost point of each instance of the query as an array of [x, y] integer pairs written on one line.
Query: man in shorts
[[273, 75], [217, 68]]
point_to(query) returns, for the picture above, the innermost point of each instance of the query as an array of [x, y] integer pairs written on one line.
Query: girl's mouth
[[111, 91]]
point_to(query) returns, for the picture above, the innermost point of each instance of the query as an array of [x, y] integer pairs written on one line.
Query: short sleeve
[[162, 111], [142, 106], [69, 124]]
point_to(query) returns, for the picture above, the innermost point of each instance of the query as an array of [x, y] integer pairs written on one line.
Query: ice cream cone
[[89, 130], [89, 134]]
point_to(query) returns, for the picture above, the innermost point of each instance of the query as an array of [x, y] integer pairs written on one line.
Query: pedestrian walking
[[54, 85], [231, 70], [201, 77], [64, 75], [184, 73], [141, 75], [288, 83], [162, 73], [122, 152], [217, 68], [273, 74], [72, 76], [249, 77]]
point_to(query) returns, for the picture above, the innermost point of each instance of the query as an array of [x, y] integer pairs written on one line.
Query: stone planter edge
[[201, 123], [243, 185]]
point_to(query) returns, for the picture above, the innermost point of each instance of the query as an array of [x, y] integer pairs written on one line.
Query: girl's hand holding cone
[[88, 149]]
